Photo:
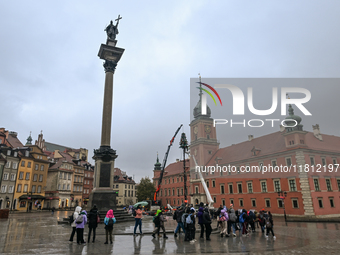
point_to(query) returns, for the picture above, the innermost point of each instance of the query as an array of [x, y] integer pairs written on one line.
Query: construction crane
[[163, 166]]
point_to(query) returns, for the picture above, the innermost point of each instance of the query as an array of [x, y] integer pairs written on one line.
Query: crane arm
[[164, 163]]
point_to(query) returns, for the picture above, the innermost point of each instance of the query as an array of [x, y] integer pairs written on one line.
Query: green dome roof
[[291, 116]]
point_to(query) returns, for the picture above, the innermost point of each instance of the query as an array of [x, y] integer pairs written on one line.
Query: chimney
[[282, 128], [316, 130], [250, 137]]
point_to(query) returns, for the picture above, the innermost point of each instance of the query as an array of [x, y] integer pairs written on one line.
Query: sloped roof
[[14, 141], [173, 169]]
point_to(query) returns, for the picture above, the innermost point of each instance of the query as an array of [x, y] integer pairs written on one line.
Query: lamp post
[[184, 145], [283, 195]]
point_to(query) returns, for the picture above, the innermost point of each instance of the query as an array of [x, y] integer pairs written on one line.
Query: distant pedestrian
[[200, 220], [190, 226], [207, 223], [93, 222], [223, 219], [233, 219], [269, 225], [178, 217], [138, 220], [53, 209], [261, 220], [243, 223], [80, 221], [109, 221], [252, 219], [73, 224]]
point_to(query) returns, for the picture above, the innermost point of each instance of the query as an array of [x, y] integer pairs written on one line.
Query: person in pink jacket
[[223, 218], [138, 220]]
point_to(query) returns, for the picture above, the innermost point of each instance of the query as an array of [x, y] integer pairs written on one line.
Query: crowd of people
[[228, 222]]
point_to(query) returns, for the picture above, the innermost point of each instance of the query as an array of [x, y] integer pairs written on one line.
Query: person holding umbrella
[[138, 220]]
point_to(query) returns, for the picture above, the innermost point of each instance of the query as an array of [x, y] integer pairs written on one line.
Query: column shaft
[[107, 110]]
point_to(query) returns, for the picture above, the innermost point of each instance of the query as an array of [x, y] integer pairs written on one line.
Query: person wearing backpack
[[243, 221], [109, 221], [252, 219], [190, 225], [80, 221], [178, 217], [93, 223], [269, 225], [73, 224], [261, 220], [138, 220], [159, 223]]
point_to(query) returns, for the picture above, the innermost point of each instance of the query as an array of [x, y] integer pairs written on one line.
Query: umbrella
[[140, 203]]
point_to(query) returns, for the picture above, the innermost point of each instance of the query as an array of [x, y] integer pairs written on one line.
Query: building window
[[12, 177], [69, 176], [230, 188], [10, 189], [288, 161], [165, 192], [68, 187], [328, 184], [40, 177], [29, 164], [241, 202], [214, 199], [173, 191], [264, 186], [3, 188], [64, 186], [223, 202], [312, 162], [277, 185], [331, 201], [181, 191], [253, 202], [15, 165], [39, 189], [59, 187], [207, 184], [33, 188], [239, 188], [36, 167], [8, 164], [320, 202], [334, 161], [250, 187], [42, 168], [21, 175], [232, 201], [35, 177], [5, 176], [65, 176], [27, 176], [196, 189], [295, 203], [222, 189], [19, 188], [25, 188], [267, 202], [23, 163], [213, 183], [316, 185], [323, 161], [338, 181], [292, 185], [279, 203]]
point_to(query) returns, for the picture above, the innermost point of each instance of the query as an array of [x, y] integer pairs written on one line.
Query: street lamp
[[283, 195], [184, 145]]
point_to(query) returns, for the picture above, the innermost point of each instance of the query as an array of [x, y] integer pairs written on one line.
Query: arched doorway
[[196, 201]]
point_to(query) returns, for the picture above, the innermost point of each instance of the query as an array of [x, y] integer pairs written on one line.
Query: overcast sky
[[52, 80]]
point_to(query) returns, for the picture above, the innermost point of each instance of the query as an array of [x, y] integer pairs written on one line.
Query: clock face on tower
[[195, 130], [207, 129]]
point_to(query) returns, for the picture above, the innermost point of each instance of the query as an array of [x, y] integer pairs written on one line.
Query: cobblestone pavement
[[39, 233]]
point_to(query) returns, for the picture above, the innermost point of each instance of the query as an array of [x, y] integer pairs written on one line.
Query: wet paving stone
[[39, 233]]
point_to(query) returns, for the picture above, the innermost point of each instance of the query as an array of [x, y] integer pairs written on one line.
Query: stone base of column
[[104, 199]]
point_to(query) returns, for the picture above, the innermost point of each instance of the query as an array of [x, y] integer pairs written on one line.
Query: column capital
[[105, 153], [110, 66]]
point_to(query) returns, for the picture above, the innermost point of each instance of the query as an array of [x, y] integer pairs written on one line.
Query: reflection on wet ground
[[39, 233]]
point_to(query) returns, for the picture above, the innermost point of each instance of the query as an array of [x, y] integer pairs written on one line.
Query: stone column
[[102, 194]]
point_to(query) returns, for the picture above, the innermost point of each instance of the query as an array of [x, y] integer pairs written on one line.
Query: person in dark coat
[[178, 217], [92, 219], [207, 223]]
